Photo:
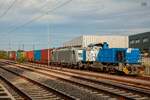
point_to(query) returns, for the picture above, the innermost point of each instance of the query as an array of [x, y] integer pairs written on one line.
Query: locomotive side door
[[120, 56]]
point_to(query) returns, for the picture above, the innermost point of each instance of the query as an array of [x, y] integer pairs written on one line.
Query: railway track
[[16, 94], [137, 81], [5, 94], [115, 90], [128, 79], [145, 78], [30, 89], [83, 93]]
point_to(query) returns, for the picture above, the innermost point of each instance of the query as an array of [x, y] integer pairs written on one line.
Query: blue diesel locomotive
[[112, 60]]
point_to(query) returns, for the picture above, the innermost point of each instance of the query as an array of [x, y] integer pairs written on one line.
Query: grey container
[[69, 56]]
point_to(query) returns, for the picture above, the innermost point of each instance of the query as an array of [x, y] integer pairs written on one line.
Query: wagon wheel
[[80, 65]]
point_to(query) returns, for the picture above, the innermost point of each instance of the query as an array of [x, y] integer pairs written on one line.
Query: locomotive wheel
[[120, 73], [104, 69]]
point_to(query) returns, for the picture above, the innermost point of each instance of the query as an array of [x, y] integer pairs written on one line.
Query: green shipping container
[[21, 56]]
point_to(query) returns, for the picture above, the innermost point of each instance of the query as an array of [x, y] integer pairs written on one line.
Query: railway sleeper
[[118, 91]]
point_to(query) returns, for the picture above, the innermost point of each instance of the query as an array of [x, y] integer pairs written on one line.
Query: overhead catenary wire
[[8, 9], [38, 17], [41, 7]]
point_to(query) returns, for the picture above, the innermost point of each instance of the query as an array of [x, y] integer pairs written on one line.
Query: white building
[[85, 40]]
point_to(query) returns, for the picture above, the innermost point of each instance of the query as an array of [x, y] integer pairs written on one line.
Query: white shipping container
[[85, 40]]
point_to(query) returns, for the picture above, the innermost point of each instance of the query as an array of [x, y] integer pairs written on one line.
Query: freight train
[[95, 56]]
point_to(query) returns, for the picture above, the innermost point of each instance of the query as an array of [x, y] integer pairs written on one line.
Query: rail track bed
[[30, 89], [139, 80], [75, 91], [4, 93], [87, 72], [12, 90], [146, 78], [96, 88]]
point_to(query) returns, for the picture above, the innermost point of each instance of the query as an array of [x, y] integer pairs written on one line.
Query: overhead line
[[7, 10], [35, 7], [42, 6], [34, 19]]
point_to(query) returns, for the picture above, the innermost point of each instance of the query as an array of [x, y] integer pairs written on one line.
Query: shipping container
[[21, 56], [44, 55], [68, 56], [30, 56], [37, 55], [12, 55]]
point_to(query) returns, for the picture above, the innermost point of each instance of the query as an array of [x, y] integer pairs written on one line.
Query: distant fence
[[146, 63]]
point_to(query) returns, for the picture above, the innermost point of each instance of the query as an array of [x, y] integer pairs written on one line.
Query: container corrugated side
[[20, 55], [44, 55], [37, 55], [12, 55], [30, 56]]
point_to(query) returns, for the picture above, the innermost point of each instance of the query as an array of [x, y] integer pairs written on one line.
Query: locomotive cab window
[[80, 55]]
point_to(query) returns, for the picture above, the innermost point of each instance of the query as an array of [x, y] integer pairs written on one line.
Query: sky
[[27, 24]]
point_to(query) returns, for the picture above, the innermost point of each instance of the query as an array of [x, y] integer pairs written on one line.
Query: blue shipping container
[[37, 55]]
